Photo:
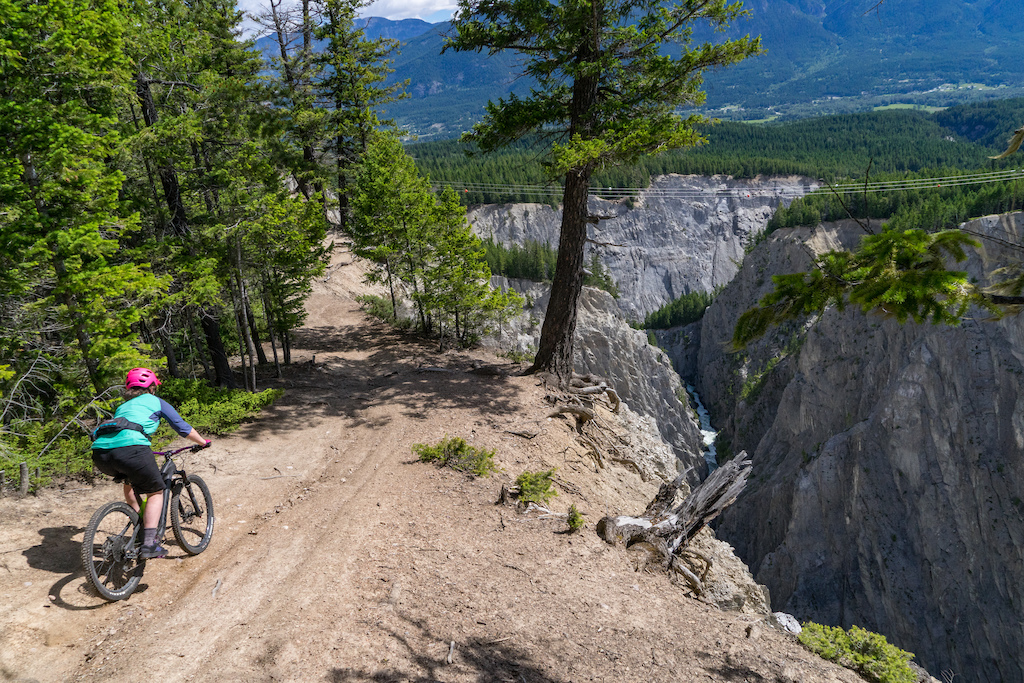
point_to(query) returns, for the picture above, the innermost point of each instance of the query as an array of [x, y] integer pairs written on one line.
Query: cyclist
[[126, 455]]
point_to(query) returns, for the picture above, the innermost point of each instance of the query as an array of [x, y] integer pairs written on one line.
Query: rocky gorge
[[888, 471], [888, 458], [683, 234]]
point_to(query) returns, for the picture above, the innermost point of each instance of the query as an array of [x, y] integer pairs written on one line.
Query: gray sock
[[149, 536]]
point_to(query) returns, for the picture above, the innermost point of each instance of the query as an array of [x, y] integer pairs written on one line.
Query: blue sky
[[427, 10]]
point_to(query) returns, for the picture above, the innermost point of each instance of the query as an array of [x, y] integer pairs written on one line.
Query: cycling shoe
[[152, 552]]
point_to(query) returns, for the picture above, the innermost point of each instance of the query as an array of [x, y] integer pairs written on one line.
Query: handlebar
[[195, 448]]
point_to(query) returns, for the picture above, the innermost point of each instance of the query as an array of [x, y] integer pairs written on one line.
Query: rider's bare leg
[[154, 507], [129, 497]]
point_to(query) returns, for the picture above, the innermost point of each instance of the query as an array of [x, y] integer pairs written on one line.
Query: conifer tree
[[609, 92], [61, 65], [351, 87]]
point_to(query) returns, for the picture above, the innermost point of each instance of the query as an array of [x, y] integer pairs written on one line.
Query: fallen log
[[668, 530]]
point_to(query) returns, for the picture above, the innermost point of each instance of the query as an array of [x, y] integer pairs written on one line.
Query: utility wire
[[775, 189]]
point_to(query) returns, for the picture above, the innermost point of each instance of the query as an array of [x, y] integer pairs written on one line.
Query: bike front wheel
[[110, 551], [192, 515]]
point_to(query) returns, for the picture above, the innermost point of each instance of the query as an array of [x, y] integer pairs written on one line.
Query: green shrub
[[212, 410], [867, 653], [518, 356], [536, 487], [378, 306], [454, 452], [575, 518]]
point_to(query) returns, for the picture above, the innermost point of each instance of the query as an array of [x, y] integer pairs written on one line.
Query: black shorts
[[134, 464]]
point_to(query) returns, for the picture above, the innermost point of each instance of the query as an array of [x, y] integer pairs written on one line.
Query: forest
[[166, 197], [833, 148]]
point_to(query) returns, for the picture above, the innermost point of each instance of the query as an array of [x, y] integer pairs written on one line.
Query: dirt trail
[[338, 558]]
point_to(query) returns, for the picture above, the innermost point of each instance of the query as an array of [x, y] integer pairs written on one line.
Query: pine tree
[[61, 65], [608, 90]]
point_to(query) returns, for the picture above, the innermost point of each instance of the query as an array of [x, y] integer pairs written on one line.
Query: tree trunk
[[555, 349], [214, 342], [168, 176], [204, 360], [554, 353], [172, 358], [261, 355], [268, 309]]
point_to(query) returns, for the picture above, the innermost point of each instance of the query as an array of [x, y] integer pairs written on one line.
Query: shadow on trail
[[56, 552], [393, 370], [483, 660], [362, 338]]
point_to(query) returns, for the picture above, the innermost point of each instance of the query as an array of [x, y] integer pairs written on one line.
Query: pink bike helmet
[[141, 377]]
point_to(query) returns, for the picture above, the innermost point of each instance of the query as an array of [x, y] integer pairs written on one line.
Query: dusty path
[[338, 558]]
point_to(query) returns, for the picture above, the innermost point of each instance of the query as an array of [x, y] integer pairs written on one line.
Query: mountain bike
[[113, 538]]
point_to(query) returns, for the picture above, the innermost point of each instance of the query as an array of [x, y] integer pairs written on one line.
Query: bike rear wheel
[[192, 515], [110, 551]]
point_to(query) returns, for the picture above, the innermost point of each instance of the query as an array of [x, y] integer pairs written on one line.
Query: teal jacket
[[145, 410]]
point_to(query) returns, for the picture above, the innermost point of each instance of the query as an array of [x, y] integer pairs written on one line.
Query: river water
[[706, 431]]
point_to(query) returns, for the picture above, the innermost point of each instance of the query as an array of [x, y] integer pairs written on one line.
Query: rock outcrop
[[683, 234], [888, 471], [608, 347]]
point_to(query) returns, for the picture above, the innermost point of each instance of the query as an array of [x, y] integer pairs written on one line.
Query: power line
[[778, 190]]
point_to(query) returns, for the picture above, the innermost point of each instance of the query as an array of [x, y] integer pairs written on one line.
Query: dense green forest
[[165, 200], [832, 147], [936, 207], [683, 310]]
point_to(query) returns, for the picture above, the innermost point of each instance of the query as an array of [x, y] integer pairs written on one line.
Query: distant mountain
[[823, 56]]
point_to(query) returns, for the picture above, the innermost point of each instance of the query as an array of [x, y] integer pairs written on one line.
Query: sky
[[427, 10]]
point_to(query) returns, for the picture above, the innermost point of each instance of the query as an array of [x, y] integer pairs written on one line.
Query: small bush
[[867, 653], [454, 452], [536, 487], [575, 518], [518, 356], [212, 410], [378, 306]]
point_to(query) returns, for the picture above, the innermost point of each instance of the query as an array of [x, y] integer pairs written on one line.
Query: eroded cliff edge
[[888, 462], [683, 234]]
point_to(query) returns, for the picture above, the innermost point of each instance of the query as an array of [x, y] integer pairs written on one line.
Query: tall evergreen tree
[[351, 86], [608, 89], [61, 64]]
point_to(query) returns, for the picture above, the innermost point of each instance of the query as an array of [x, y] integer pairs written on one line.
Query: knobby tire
[[110, 551], [192, 515]]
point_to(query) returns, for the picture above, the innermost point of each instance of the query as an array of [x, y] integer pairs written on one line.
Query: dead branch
[[525, 435], [669, 529]]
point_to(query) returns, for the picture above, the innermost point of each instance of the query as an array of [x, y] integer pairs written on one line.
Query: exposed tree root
[[667, 531]]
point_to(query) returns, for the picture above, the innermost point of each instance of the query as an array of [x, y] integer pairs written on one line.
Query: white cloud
[[404, 9], [428, 10]]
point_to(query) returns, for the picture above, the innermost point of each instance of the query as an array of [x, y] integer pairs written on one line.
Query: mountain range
[[822, 56]]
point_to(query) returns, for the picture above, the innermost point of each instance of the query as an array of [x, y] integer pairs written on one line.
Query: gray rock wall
[[642, 374], [686, 233], [888, 464]]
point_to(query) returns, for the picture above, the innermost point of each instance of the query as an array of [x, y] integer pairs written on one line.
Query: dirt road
[[336, 557]]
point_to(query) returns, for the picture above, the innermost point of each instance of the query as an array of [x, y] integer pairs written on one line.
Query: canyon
[[888, 459]]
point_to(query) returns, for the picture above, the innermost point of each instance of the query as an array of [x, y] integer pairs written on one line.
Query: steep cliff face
[[888, 463], [641, 374], [683, 234]]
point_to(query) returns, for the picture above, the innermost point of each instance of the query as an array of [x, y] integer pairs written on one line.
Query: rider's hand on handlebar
[[199, 447]]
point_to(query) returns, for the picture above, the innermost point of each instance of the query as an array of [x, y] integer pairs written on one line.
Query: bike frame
[[174, 481]]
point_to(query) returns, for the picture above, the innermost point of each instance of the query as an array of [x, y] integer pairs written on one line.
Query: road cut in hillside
[[337, 557]]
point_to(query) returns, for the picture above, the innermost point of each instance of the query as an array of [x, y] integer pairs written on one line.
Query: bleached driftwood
[[668, 530]]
